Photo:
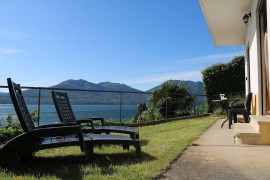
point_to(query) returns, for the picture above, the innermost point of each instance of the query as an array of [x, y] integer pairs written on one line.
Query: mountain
[[78, 84], [117, 87], [84, 97], [194, 87]]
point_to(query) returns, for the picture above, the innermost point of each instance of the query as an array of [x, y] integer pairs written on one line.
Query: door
[[264, 56]]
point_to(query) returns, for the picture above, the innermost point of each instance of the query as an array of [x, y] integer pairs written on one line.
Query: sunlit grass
[[161, 144]]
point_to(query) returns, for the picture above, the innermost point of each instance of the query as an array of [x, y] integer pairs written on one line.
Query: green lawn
[[161, 144]]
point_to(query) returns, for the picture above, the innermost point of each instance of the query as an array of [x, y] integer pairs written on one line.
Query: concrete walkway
[[215, 156]]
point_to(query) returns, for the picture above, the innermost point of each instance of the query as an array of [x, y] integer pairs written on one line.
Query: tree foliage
[[172, 100], [141, 107], [13, 127], [224, 78]]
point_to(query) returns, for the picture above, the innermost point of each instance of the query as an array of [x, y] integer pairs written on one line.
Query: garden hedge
[[224, 78]]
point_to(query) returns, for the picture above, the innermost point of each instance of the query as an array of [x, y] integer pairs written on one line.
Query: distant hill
[[194, 87], [103, 86], [117, 87], [78, 84], [81, 97]]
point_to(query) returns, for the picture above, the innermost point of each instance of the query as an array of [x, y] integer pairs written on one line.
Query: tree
[[172, 100], [141, 107]]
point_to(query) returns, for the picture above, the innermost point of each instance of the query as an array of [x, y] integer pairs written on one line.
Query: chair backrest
[[248, 102], [20, 106], [63, 107]]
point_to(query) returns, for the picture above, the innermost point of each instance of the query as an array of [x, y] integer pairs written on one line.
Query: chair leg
[[89, 151], [230, 119], [246, 117], [126, 146], [137, 146], [134, 135], [235, 117]]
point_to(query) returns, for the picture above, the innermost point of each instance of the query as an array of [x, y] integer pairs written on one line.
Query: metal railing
[[41, 96]]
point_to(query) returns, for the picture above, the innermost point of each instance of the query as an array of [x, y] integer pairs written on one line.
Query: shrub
[[141, 107], [13, 127], [219, 111], [224, 79], [171, 100]]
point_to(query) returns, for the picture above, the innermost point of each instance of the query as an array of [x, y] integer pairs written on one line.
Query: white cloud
[[10, 51], [160, 78], [185, 69], [213, 58]]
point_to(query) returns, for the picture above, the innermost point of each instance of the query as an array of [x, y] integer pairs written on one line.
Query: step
[[261, 123], [245, 133], [244, 129]]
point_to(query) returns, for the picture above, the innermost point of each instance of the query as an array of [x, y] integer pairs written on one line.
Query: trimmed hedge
[[224, 78]]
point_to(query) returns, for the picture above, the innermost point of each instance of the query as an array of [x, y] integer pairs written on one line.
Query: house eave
[[224, 20]]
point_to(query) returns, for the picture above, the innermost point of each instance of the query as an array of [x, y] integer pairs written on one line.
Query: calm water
[[48, 113]]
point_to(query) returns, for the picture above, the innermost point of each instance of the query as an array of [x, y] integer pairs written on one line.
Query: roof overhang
[[224, 19]]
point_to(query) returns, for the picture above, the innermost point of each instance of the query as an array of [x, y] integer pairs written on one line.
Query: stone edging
[[149, 123]]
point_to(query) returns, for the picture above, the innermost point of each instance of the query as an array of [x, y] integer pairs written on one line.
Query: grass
[[161, 145]]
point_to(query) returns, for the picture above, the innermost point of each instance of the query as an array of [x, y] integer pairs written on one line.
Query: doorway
[[264, 56]]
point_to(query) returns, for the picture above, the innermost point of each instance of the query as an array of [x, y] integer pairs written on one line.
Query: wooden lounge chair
[[34, 138], [65, 113]]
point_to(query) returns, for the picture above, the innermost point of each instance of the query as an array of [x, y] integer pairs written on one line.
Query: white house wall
[[252, 40]]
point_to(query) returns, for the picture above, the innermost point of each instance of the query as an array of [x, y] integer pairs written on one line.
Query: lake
[[48, 113]]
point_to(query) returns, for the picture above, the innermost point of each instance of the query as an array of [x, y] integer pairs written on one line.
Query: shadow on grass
[[76, 167]]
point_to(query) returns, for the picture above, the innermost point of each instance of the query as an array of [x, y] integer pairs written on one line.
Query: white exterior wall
[[252, 40]]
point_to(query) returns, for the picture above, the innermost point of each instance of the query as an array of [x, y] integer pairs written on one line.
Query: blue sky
[[141, 43]]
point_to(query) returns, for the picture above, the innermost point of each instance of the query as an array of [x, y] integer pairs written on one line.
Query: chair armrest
[[234, 102], [56, 131], [86, 120], [58, 125], [99, 119]]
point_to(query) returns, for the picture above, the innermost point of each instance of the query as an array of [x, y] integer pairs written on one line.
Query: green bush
[[172, 100], [224, 79], [219, 111], [149, 115], [141, 108], [13, 127], [201, 110]]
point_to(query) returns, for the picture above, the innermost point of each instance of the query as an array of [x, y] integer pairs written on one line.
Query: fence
[[119, 106]]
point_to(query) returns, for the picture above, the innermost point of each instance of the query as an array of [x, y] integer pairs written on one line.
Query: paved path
[[215, 156]]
